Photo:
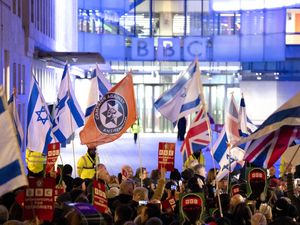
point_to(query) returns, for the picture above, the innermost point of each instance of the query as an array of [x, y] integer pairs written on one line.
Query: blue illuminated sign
[[142, 49], [194, 46], [168, 49]]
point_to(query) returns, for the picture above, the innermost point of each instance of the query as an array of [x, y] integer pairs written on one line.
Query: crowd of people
[[148, 199]]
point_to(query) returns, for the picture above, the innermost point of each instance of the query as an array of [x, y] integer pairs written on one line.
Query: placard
[[256, 183], [99, 197], [166, 155], [192, 206], [53, 153], [39, 199]]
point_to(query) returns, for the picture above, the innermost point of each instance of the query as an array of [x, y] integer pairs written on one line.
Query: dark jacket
[[284, 220], [290, 191]]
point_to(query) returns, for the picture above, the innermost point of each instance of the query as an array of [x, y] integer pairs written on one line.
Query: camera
[[173, 187], [143, 202]]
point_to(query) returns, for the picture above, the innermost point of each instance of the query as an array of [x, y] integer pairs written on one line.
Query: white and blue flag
[[184, 97], [12, 175], [14, 113], [68, 114], [231, 158], [99, 87], [39, 122], [246, 126]]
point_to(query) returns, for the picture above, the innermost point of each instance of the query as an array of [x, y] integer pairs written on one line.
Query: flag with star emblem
[[39, 125], [112, 116], [68, 114], [183, 98], [12, 175], [99, 87]]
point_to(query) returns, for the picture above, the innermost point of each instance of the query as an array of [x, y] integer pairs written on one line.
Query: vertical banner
[[257, 183], [53, 153], [166, 155], [192, 206], [39, 199], [99, 197]]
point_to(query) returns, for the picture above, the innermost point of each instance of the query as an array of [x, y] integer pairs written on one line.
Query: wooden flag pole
[[290, 162], [209, 133], [71, 124]]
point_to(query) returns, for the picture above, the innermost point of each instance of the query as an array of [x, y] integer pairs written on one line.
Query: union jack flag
[[266, 150], [197, 137], [232, 122]]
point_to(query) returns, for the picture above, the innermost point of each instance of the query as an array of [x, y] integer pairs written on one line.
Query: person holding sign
[[86, 164]]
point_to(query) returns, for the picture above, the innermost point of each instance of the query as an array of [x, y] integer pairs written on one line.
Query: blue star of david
[[39, 113], [231, 160]]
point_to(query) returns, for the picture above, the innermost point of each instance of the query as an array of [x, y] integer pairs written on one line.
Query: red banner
[[166, 155], [59, 189], [53, 153], [39, 199], [99, 197]]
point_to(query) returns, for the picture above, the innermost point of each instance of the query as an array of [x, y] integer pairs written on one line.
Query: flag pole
[[71, 122], [209, 133], [290, 162]]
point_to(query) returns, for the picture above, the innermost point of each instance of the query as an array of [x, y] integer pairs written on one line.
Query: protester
[[67, 177], [181, 128], [86, 164], [135, 129]]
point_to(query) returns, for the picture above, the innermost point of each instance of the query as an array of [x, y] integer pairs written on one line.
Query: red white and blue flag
[[232, 122], [197, 137], [265, 151], [275, 134]]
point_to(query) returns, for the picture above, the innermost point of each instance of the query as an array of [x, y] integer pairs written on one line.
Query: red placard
[[59, 189], [39, 199], [166, 155], [99, 197], [53, 153]]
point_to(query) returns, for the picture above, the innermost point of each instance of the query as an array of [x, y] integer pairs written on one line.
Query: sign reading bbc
[[169, 49]]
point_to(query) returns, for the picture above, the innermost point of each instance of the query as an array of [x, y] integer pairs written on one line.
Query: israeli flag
[[15, 116], [39, 122], [99, 87], [68, 114], [12, 175], [183, 97]]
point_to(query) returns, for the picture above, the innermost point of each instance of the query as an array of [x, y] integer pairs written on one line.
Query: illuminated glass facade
[[158, 39]]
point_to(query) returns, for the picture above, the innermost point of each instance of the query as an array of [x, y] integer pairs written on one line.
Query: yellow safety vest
[[35, 161], [86, 166]]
